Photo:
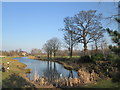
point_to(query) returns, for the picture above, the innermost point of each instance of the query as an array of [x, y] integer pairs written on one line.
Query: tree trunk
[[85, 42], [96, 46], [71, 51], [48, 55], [85, 47], [54, 54]]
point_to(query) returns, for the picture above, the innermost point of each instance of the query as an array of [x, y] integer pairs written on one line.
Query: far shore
[[66, 66]]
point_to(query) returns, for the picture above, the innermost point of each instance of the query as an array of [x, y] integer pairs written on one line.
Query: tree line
[[84, 27]]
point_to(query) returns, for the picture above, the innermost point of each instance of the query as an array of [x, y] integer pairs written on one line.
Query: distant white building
[[23, 53], [2, 56]]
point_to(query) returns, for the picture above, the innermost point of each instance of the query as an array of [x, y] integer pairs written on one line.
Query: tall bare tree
[[69, 37], [104, 46], [98, 35], [52, 46], [86, 24], [56, 44], [48, 49]]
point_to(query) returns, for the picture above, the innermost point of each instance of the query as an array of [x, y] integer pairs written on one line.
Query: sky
[[28, 25], [60, 0], [0, 26]]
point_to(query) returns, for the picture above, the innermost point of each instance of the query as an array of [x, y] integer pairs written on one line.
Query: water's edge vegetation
[[105, 82]]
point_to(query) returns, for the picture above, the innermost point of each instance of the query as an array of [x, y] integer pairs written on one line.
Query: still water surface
[[46, 68]]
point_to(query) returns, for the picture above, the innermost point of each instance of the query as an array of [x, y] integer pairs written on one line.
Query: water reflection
[[51, 71], [47, 68], [70, 74]]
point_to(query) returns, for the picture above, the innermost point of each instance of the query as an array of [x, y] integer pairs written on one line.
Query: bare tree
[[55, 43], [98, 35], [104, 46], [35, 51], [86, 24], [51, 47], [69, 37], [62, 53], [48, 49]]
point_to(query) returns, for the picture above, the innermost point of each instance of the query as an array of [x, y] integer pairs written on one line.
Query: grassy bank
[[0, 73], [106, 83], [68, 64], [16, 76]]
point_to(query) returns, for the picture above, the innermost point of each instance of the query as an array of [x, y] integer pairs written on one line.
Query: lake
[[47, 68]]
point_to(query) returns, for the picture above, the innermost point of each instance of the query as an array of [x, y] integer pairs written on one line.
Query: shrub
[[85, 59], [116, 77], [98, 57], [112, 57]]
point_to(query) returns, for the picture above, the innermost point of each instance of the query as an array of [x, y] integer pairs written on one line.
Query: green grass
[[67, 56], [106, 83], [15, 67], [0, 78], [0, 72], [16, 74]]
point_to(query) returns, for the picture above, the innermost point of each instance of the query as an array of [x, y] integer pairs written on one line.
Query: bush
[[116, 77], [85, 59], [112, 57], [98, 57]]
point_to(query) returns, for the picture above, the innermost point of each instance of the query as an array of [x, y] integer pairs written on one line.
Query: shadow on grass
[[15, 81]]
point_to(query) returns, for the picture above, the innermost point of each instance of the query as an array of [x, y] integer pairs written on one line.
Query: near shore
[[15, 77]]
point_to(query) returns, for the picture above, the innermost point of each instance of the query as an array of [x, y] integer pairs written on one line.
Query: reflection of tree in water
[[70, 74], [51, 72]]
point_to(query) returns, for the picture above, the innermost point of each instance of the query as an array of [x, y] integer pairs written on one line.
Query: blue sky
[[0, 26], [29, 25]]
